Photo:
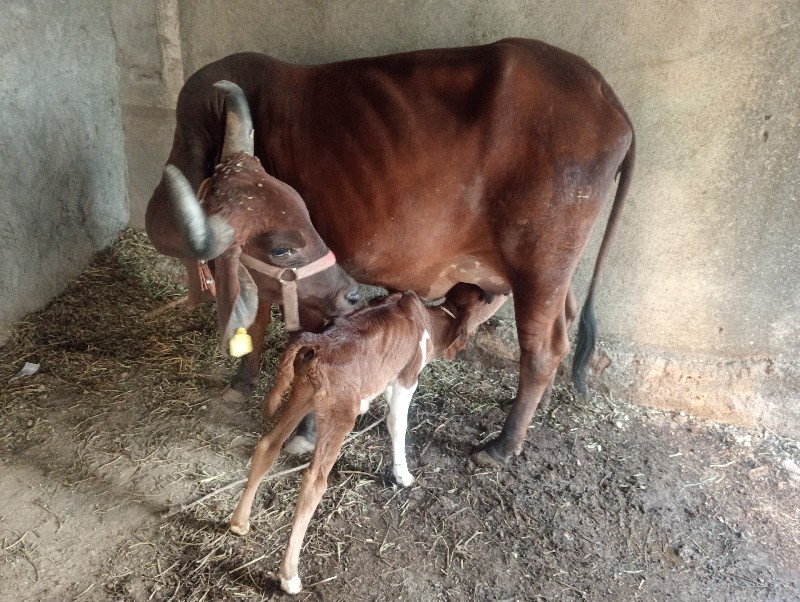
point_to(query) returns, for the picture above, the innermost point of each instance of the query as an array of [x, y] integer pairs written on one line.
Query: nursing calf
[[379, 349]]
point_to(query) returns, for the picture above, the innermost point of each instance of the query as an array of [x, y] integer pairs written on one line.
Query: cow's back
[[411, 163]]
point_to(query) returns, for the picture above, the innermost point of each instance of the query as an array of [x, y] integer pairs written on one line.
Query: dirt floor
[[105, 452]]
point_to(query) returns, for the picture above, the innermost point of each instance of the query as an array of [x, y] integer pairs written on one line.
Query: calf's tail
[[293, 358], [584, 346]]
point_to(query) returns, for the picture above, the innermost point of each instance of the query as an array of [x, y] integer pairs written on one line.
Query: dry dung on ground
[[117, 455]]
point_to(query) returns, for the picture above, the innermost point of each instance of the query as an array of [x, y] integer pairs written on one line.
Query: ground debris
[[607, 501]]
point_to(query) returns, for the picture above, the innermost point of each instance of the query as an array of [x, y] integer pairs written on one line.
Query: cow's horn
[[238, 122], [206, 236]]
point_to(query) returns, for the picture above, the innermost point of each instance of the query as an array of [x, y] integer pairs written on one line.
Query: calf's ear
[[458, 344]]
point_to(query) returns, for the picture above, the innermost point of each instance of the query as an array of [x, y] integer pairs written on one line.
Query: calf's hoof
[[291, 586], [299, 445], [403, 478], [242, 529]]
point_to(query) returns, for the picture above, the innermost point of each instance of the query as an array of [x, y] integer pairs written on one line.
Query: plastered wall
[[62, 158]]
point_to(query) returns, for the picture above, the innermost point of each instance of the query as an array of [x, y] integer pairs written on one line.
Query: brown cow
[[487, 164], [381, 348]]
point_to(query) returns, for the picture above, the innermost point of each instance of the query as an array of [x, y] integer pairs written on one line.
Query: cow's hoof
[[231, 395], [299, 445], [241, 530], [241, 388], [488, 457], [291, 586]]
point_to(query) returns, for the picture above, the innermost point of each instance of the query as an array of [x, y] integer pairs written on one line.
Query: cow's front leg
[[304, 438], [245, 380]]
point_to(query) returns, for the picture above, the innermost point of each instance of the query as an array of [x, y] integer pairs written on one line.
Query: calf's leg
[[334, 424], [399, 400], [266, 451]]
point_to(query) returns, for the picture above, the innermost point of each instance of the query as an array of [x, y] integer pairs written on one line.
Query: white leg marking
[[298, 445], [365, 403], [423, 345], [291, 586], [399, 400]]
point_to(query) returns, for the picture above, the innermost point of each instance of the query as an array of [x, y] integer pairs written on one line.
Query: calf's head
[[466, 304], [244, 211]]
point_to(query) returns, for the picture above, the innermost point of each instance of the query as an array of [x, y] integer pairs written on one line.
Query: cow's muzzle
[[288, 277]]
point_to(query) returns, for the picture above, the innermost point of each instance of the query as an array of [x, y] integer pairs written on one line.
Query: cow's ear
[[237, 295], [246, 306]]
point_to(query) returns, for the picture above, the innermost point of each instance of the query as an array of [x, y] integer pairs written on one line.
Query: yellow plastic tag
[[241, 343]]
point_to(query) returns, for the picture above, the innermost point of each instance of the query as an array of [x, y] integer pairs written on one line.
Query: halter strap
[[288, 274], [288, 278]]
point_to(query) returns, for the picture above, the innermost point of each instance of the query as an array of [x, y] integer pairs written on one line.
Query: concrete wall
[[62, 160], [150, 76], [700, 307]]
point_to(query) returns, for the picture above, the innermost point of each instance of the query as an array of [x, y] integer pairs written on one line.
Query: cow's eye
[[281, 252]]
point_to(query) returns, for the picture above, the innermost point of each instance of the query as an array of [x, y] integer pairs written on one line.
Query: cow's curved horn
[[238, 122], [206, 236]]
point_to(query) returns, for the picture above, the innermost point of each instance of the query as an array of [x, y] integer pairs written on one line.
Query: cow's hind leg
[[333, 428], [245, 381], [264, 456], [542, 331], [570, 312]]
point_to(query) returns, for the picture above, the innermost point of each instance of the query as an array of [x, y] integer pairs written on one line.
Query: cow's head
[[245, 214]]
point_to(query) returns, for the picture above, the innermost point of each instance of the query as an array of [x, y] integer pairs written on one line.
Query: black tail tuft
[[584, 347]]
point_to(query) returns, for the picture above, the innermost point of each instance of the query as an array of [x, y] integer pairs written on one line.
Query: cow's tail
[[293, 360], [584, 346]]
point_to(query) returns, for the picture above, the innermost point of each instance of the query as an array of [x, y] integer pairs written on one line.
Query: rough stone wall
[[62, 161], [700, 304]]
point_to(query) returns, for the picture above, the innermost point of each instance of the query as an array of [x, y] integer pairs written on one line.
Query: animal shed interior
[[117, 453]]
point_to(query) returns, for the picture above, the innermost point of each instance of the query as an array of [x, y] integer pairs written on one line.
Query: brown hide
[[487, 164]]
